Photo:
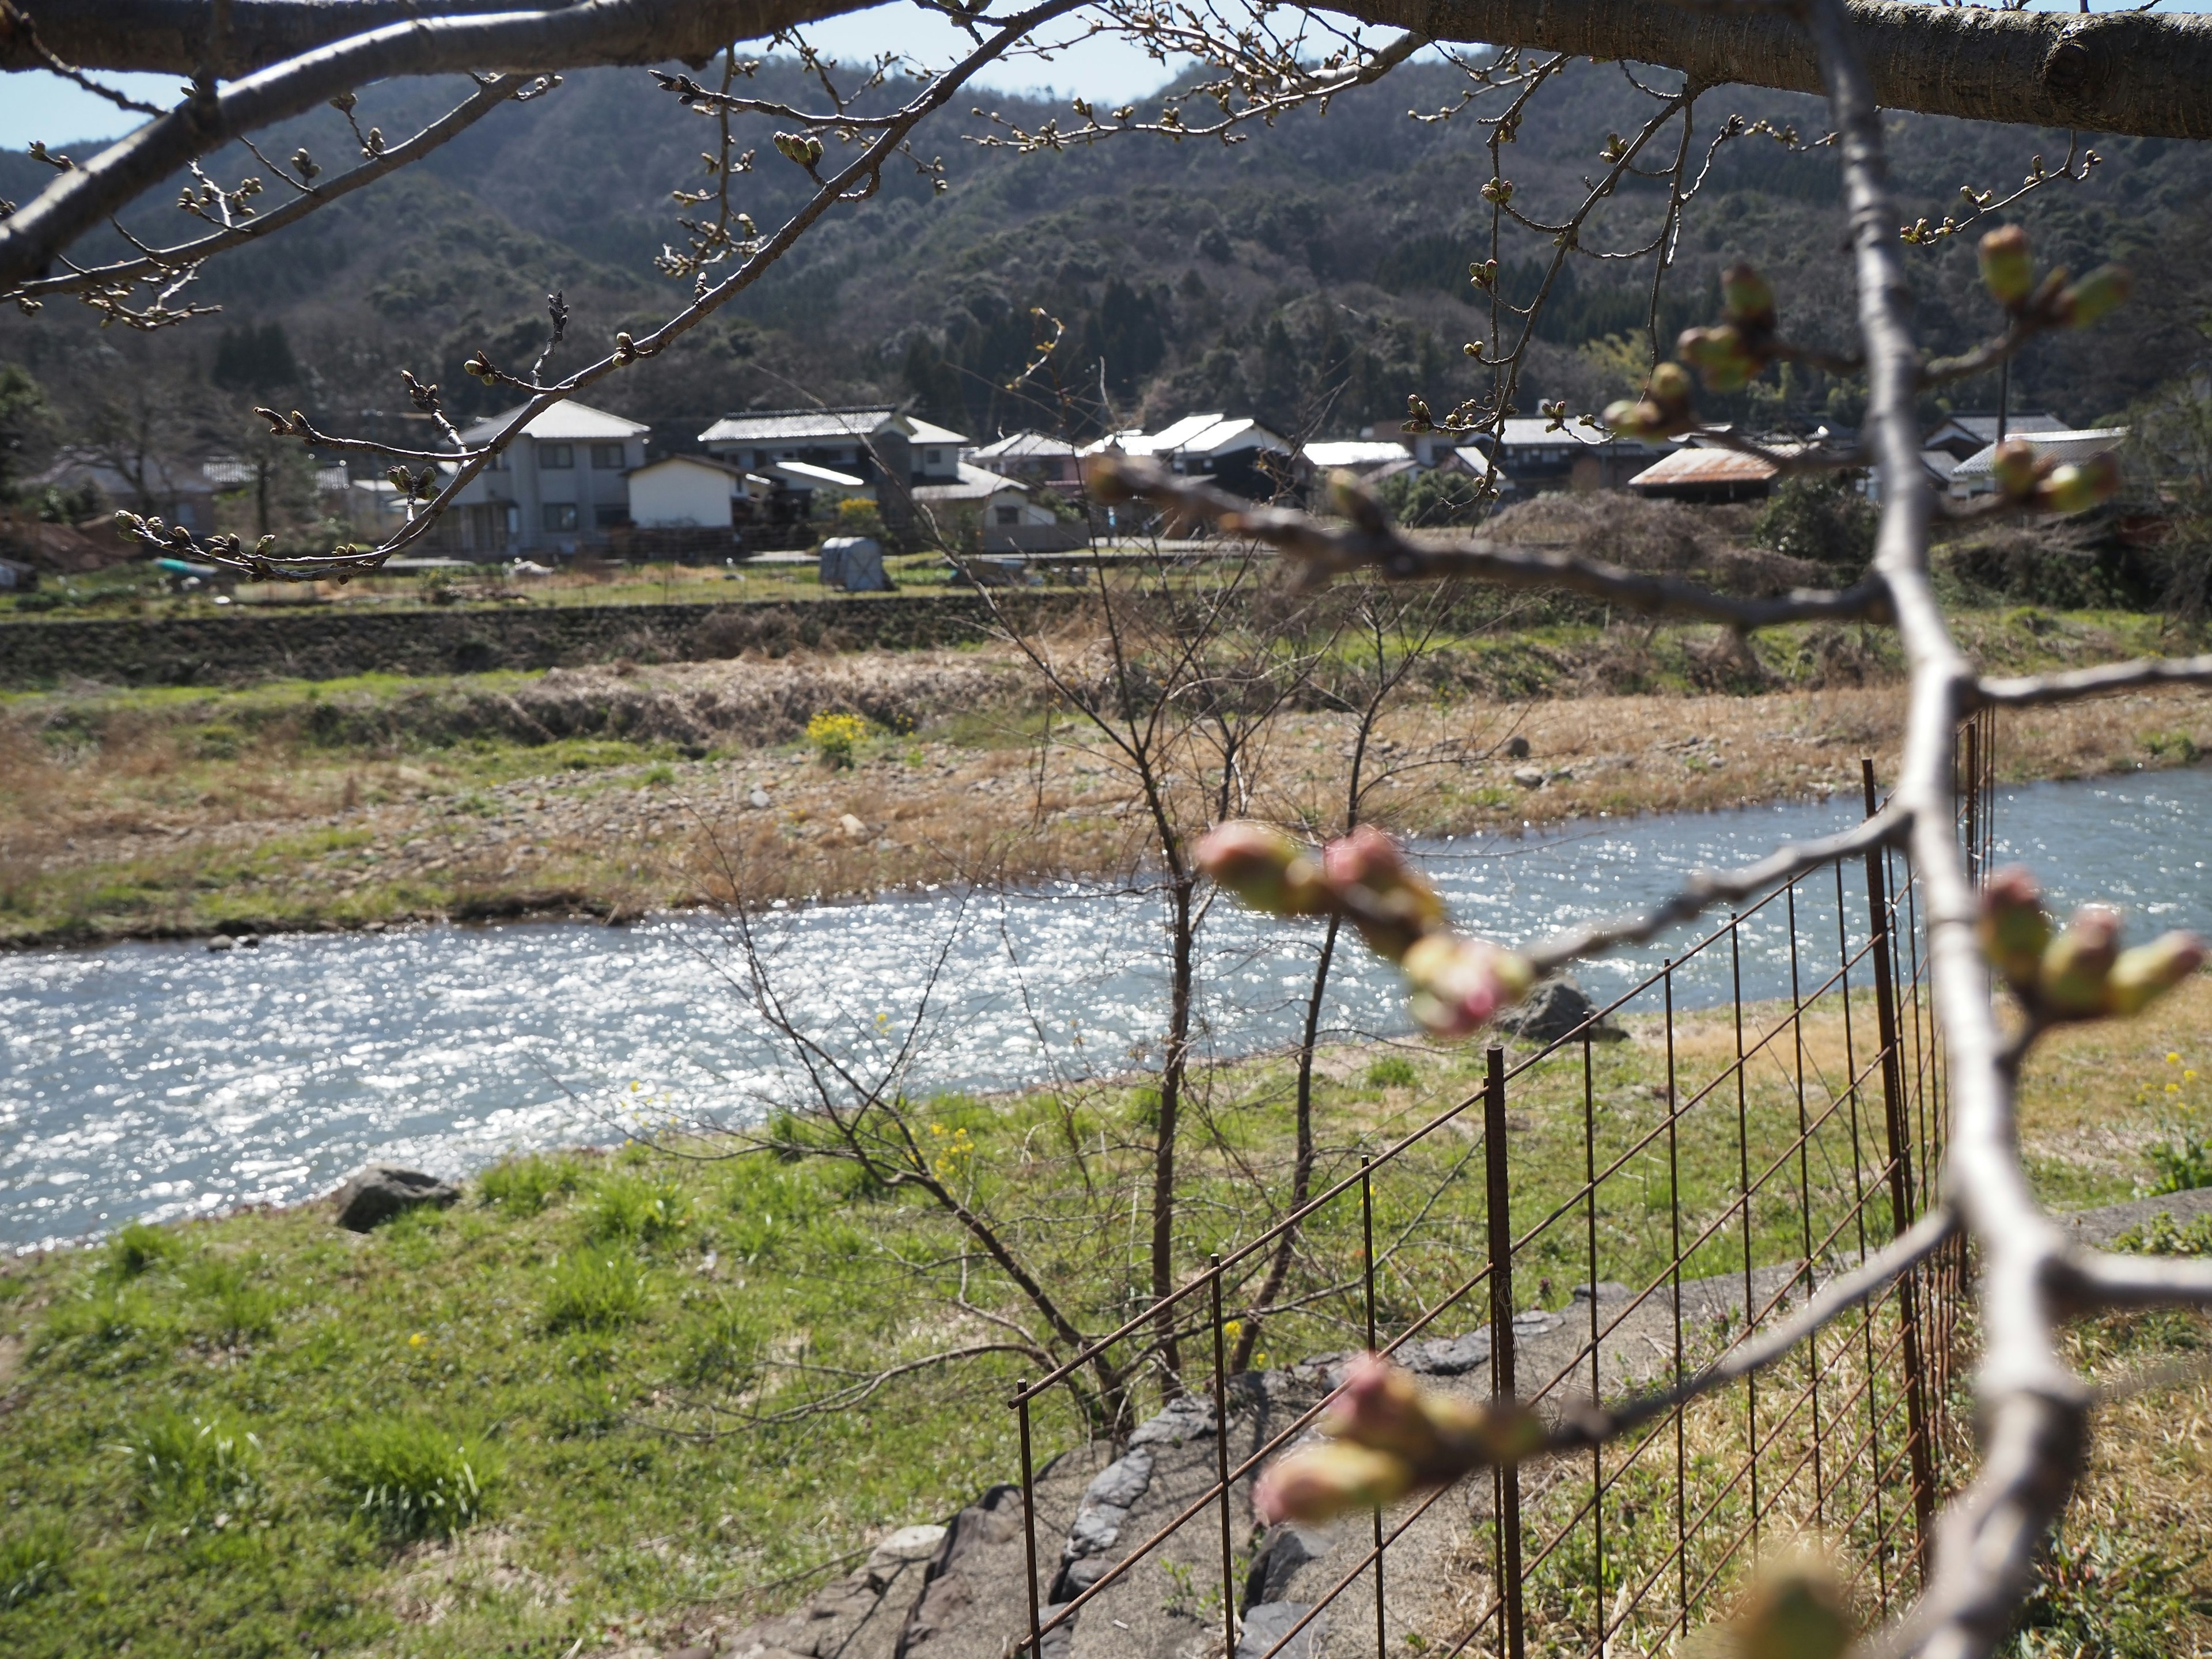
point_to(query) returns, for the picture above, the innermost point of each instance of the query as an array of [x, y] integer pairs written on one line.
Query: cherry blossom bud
[[1458, 983], [2008, 266], [1794, 1611], [2013, 468], [1382, 1406], [2014, 930], [1320, 1482], [2099, 293], [2145, 974], [2079, 486], [1392, 907], [1663, 412], [2072, 980], [1499, 190], [1484, 275], [1722, 357], [1263, 866], [1745, 297]]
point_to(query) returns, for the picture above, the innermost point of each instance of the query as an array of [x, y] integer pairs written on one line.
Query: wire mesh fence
[[1615, 1208]]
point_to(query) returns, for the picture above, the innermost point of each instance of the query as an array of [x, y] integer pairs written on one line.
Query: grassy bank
[[612, 791], [613, 1398]]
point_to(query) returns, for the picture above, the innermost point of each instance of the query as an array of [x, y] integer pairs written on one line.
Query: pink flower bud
[[2013, 928], [2072, 979], [1320, 1482], [2099, 293], [1263, 867], [1458, 983], [2077, 488], [1390, 905], [2143, 974], [2008, 266], [1382, 1406]]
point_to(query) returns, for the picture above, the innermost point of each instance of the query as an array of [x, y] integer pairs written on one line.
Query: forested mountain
[[1312, 273]]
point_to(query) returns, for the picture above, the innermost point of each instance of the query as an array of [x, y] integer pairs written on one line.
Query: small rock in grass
[[1529, 777], [759, 797], [376, 1192]]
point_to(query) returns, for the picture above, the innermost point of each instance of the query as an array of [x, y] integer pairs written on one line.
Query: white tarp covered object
[[854, 564]]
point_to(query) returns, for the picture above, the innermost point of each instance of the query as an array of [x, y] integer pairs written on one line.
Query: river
[[161, 1080]]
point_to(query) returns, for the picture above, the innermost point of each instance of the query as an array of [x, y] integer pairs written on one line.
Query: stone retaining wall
[[330, 643]]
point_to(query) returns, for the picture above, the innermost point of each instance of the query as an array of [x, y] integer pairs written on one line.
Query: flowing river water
[[161, 1080]]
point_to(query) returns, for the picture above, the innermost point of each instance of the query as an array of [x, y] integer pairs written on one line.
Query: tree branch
[[1372, 542], [2143, 73], [2031, 690], [164, 261], [1706, 889]]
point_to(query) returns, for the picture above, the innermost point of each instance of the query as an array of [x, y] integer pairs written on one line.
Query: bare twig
[[1371, 542]]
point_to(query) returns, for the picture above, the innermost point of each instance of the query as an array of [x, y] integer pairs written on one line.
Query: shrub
[[2163, 1235], [526, 1185], [637, 1209], [592, 1290], [834, 737], [138, 1248], [33, 1562], [1431, 498], [410, 1480], [2184, 1164], [1391, 1072], [1824, 519], [189, 1463]]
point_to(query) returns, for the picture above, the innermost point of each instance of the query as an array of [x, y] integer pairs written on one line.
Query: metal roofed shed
[[1706, 475]]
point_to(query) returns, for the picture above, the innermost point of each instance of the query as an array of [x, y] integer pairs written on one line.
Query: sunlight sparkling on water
[[160, 1080]]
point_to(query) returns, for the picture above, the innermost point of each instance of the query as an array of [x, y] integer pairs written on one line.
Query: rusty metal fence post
[[1221, 1463], [1900, 1185], [1499, 1217]]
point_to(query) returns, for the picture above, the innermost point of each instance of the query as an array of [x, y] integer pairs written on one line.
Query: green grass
[[409, 1478], [595, 1289]]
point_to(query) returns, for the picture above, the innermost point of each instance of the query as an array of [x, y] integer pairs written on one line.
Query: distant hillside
[[1313, 274]]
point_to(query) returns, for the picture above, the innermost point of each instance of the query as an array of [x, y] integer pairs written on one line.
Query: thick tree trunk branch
[[173, 35], [2122, 72], [2117, 72]]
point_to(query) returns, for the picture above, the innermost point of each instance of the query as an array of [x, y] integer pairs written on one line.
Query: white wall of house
[[680, 492]]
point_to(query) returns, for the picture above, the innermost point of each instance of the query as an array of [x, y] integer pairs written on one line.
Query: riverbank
[[615, 793], [668, 1377]]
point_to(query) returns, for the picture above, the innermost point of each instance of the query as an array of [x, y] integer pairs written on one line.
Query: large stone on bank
[[376, 1192], [1552, 1011]]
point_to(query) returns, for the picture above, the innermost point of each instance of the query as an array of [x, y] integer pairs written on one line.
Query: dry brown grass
[[179, 801]]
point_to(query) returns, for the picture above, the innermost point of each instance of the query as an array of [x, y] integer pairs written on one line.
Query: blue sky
[[37, 105]]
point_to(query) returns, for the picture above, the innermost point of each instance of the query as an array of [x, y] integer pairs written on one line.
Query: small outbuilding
[[684, 492], [1706, 475]]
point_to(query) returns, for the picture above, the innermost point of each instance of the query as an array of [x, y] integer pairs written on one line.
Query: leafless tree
[[253, 62]]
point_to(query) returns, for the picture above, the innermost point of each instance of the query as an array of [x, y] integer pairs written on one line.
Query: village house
[[1976, 475], [1032, 457], [817, 456], [561, 486]]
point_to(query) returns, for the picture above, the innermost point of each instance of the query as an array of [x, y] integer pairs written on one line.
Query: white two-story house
[[559, 487]]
